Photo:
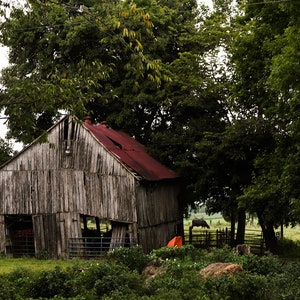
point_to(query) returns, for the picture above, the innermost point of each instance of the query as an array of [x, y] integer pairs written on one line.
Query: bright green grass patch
[[8, 265]]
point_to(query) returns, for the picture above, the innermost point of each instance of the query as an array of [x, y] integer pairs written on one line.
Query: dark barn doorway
[[19, 236]]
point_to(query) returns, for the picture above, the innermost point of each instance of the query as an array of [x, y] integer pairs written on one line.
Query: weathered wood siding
[[45, 180], [74, 174], [52, 231], [2, 235], [158, 213]]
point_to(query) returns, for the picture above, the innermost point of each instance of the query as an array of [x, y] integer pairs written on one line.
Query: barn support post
[[2, 235], [133, 234], [118, 235], [98, 225], [69, 227]]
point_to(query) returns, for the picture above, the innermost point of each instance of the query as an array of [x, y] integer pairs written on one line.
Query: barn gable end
[[74, 175]]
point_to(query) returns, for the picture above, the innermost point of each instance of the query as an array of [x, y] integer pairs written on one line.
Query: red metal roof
[[131, 153]]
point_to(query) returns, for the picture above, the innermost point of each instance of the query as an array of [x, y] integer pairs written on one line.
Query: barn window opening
[[94, 227], [69, 134], [69, 129], [19, 236]]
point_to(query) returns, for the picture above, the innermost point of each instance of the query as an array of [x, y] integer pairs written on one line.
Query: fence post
[[190, 234]]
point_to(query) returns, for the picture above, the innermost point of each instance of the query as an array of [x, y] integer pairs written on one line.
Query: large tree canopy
[[264, 53], [146, 66], [153, 68]]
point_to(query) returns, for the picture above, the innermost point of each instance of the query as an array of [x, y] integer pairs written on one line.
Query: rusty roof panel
[[131, 152]]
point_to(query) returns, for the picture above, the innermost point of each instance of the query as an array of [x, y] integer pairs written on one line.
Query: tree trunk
[[240, 234], [268, 234], [232, 228]]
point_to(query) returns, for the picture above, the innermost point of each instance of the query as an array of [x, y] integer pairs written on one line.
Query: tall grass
[[8, 265], [176, 274]]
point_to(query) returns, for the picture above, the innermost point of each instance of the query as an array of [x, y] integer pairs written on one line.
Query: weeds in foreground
[[120, 276]]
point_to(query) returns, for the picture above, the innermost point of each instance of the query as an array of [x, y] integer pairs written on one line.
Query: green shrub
[[244, 286], [174, 252], [8, 290], [22, 279], [88, 275], [222, 255], [288, 248], [51, 283], [181, 283], [262, 265], [101, 278], [291, 269], [123, 281], [118, 277], [42, 255], [134, 258]]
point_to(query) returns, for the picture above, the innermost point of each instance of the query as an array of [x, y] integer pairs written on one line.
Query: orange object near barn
[[176, 241]]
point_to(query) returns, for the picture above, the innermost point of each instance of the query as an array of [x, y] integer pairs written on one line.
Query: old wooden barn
[[85, 174]]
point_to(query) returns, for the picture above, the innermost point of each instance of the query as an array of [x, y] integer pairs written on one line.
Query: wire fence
[[21, 244], [95, 247]]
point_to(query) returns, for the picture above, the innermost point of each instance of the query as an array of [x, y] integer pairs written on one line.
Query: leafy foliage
[[147, 67], [263, 278], [6, 151], [263, 52], [134, 258]]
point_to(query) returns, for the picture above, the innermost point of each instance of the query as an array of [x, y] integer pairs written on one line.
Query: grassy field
[[8, 265], [217, 222]]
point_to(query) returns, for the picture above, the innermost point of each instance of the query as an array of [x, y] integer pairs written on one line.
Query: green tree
[[6, 151], [263, 90], [147, 67], [62, 54]]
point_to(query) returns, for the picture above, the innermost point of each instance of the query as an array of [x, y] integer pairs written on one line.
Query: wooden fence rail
[[219, 238]]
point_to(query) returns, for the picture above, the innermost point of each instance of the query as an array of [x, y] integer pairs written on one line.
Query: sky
[[4, 63]]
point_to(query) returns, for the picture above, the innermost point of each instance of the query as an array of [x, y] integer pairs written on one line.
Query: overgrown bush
[[288, 248], [244, 286], [134, 258], [22, 279], [265, 265], [177, 275], [51, 283], [8, 290], [175, 252], [124, 281]]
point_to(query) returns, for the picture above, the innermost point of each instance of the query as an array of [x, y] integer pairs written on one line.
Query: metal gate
[[95, 247], [23, 243]]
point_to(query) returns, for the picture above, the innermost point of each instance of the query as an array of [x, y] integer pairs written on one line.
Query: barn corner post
[[133, 234]]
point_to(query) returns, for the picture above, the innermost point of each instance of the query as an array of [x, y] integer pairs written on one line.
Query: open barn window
[[94, 227], [69, 134], [19, 235], [69, 129]]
